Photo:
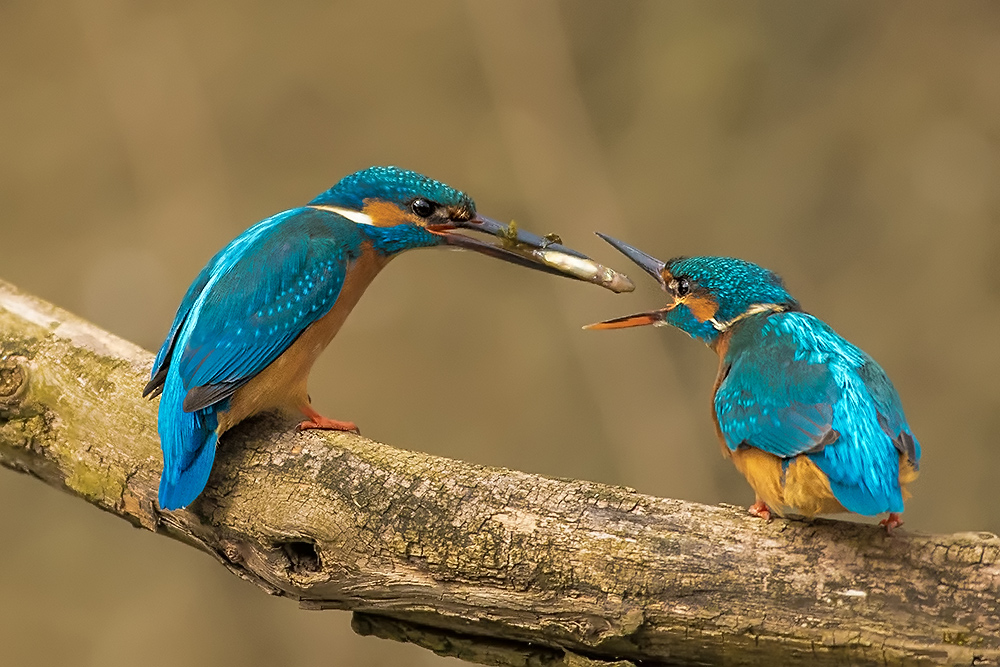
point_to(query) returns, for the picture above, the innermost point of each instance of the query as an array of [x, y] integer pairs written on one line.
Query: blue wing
[[890, 410], [263, 294], [773, 397], [796, 387]]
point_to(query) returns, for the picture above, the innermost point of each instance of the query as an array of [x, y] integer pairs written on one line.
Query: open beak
[[653, 267], [532, 251]]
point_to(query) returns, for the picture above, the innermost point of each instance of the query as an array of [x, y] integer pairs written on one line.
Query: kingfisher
[[258, 315], [809, 419]]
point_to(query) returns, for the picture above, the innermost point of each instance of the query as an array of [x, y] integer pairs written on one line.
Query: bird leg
[[891, 522], [760, 509], [316, 420]]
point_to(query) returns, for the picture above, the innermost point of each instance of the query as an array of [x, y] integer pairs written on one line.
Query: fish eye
[[683, 286], [422, 207]]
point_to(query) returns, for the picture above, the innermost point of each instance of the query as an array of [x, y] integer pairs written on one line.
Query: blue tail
[[188, 440]]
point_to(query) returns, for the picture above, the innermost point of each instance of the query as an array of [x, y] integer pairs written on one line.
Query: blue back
[[794, 386]]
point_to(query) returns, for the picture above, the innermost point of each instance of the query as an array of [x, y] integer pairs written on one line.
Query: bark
[[494, 566]]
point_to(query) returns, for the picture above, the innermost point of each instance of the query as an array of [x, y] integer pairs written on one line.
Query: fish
[[550, 253]]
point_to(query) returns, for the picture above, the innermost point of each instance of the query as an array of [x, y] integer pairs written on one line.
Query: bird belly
[[807, 488], [282, 385], [802, 485], [907, 474], [763, 472]]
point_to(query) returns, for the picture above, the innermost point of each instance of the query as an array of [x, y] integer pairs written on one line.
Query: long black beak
[[653, 267], [649, 264], [532, 251]]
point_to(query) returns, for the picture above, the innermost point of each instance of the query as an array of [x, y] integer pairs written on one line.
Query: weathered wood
[[492, 565]]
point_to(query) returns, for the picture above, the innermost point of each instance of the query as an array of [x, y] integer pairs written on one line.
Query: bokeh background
[[850, 146]]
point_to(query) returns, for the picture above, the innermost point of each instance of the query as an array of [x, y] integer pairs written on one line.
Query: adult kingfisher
[[809, 419], [258, 315]]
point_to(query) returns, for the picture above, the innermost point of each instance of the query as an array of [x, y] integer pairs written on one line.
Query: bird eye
[[683, 286], [422, 207]]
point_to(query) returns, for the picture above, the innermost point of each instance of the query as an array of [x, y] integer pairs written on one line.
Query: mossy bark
[[491, 565]]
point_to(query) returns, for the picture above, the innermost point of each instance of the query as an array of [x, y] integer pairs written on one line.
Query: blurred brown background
[[850, 146]]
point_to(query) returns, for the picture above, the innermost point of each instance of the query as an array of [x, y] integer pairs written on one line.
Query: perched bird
[[809, 419], [258, 315]]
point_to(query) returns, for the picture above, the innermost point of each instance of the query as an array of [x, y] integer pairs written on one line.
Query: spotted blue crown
[[391, 184]]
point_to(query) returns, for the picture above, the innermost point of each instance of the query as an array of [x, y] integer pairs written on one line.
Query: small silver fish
[[539, 248], [582, 268]]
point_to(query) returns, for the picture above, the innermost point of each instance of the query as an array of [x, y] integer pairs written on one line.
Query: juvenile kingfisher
[[809, 419], [258, 315]]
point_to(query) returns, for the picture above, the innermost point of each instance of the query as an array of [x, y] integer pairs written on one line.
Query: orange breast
[[721, 346]]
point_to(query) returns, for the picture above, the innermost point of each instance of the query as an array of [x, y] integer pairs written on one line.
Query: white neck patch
[[350, 214], [752, 310]]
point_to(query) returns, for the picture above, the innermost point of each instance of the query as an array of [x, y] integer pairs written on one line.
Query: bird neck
[[394, 240], [715, 332], [720, 344], [755, 309]]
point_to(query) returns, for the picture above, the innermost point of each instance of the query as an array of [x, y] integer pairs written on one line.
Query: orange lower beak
[[654, 317]]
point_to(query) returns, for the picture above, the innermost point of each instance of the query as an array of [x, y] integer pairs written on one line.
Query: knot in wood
[[232, 552], [13, 380]]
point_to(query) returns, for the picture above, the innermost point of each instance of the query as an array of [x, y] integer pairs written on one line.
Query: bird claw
[[760, 509], [891, 522], [327, 424]]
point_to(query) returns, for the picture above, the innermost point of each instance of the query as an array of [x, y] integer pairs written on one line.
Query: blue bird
[[809, 419], [258, 315]]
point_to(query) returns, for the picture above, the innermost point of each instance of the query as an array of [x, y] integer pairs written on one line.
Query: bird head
[[389, 196], [708, 294], [426, 212]]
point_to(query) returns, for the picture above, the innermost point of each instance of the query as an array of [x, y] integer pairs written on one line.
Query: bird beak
[[481, 223], [530, 250], [648, 263], [653, 267], [654, 317]]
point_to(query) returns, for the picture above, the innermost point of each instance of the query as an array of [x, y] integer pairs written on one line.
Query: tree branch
[[491, 565]]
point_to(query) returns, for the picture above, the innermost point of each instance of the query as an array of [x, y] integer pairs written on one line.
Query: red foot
[[317, 420], [329, 425], [891, 522], [760, 509]]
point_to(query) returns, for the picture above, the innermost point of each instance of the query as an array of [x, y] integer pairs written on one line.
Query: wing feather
[[773, 398], [890, 411]]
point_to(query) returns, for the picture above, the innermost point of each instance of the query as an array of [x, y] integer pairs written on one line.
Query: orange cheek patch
[[702, 307], [387, 214]]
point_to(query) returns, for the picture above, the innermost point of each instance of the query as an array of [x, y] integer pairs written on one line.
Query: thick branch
[[492, 565]]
